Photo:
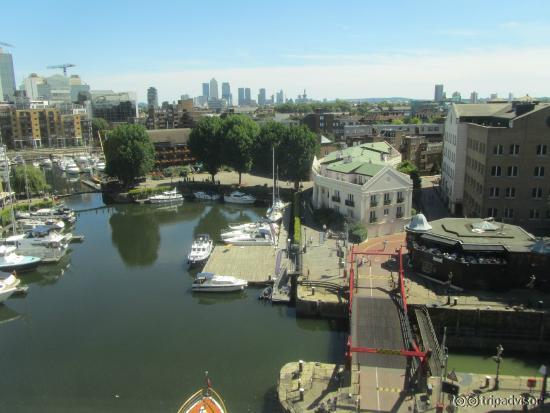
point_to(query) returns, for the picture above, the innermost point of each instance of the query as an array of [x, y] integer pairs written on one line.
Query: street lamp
[[498, 359], [450, 280]]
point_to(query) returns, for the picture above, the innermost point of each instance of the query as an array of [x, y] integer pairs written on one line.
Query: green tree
[[206, 144], [129, 153], [409, 168], [35, 179], [99, 125], [297, 148], [270, 136], [238, 136]]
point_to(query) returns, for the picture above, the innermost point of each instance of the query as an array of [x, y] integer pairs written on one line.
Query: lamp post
[[498, 359], [450, 280]]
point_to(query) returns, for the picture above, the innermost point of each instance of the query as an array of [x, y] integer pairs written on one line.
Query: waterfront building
[[262, 97], [496, 162], [240, 98], [362, 184], [480, 254], [206, 91], [171, 147], [152, 97], [438, 93], [213, 89], [226, 93], [114, 107]]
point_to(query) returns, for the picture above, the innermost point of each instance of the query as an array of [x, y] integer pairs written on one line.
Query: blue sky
[[333, 49]]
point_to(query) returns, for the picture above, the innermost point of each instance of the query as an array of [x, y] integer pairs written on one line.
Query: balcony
[[372, 220], [335, 198], [400, 200], [387, 201], [373, 203], [350, 203], [399, 215]]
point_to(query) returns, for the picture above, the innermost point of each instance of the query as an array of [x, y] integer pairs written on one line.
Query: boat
[[210, 282], [252, 228], [207, 196], [10, 261], [275, 212], [100, 166], [266, 293], [9, 284], [261, 237], [274, 215], [46, 163], [200, 249], [237, 197], [205, 400], [43, 242], [27, 224], [71, 167], [166, 197], [66, 214]]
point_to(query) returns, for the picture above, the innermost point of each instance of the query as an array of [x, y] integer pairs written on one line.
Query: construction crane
[[6, 44], [64, 67]]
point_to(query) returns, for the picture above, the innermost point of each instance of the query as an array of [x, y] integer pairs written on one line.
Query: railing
[[349, 202], [373, 203], [373, 220], [387, 201], [400, 200], [335, 199], [399, 215]]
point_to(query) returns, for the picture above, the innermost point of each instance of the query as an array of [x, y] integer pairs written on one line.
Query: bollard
[[299, 384], [455, 300], [487, 381], [302, 394], [301, 366], [312, 290]]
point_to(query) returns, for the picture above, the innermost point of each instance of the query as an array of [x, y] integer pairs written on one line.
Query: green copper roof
[[363, 159]]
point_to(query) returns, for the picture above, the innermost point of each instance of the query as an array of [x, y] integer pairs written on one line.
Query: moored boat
[[263, 236], [205, 400], [200, 249], [10, 261], [167, 197], [210, 282], [237, 197], [207, 196], [8, 285]]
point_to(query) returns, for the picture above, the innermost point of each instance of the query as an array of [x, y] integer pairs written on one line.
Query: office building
[[280, 98], [152, 97], [247, 96], [456, 98], [240, 99], [473, 97], [438, 94], [261, 97], [114, 107], [496, 162], [206, 91], [362, 183], [7, 77], [226, 93], [31, 85], [213, 89]]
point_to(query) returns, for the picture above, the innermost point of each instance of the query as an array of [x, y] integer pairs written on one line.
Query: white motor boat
[[100, 166], [237, 197], [66, 214], [200, 249], [261, 237], [10, 261], [209, 282], [207, 196], [46, 163], [72, 168], [274, 215], [42, 242], [250, 229], [166, 197], [27, 224], [8, 285]]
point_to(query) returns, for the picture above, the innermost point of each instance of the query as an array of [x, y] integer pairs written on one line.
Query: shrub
[[297, 231], [143, 193], [330, 218], [357, 233]]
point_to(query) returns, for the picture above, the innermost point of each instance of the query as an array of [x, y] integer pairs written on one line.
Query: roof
[[364, 159], [367, 152], [471, 234], [504, 110], [173, 136]]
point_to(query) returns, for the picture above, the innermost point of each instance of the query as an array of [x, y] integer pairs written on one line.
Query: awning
[[481, 247], [439, 240]]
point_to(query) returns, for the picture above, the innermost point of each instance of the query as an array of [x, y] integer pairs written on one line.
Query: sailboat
[[205, 400], [275, 212]]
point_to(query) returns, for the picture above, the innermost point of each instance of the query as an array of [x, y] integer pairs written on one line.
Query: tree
[[129, 153], [270, 136], [99, 125], [238, 136], [36, 180], [409, 168], [206, 144], [297, 147]]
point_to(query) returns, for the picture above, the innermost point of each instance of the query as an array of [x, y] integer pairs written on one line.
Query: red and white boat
[[205, 400]]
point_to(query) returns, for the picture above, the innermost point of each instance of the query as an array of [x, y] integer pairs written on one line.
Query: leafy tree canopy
[[270, 136], [35, 179], [99, 125], [129, 153], [206, 143], [239, 134], [299, 146], [409, 168]]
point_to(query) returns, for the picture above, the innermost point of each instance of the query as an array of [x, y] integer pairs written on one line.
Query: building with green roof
[[361, 183]]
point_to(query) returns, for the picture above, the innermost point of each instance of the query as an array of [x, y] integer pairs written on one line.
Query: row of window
[[476, 146], [534, 213], [513, 149], [374, 218], [512, 171]]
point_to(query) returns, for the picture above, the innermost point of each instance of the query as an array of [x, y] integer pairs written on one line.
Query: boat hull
[[218, 288], [29, 265], [166, 201], [4, 295], [229, 200]]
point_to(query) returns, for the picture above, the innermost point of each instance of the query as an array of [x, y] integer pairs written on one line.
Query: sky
[[350, 49]]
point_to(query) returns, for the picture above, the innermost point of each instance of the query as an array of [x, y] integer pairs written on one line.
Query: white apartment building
[[361, 182]]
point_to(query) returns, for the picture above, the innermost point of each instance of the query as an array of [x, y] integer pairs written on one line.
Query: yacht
[[237, 197], [275, 212], [46, 163], [27, 224], [274, 215], [71, 167], [8, 285], [166, 197], [207, 281], [100, 166], [207, 196], [10, 261], [205, 400], [200, 249], [261, 237], [42, 242], [66, 214], [245, 229]]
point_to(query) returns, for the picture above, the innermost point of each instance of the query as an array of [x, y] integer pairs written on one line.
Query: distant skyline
[[487, 47]]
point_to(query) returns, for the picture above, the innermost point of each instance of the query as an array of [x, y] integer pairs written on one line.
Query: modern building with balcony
[[362, 184]]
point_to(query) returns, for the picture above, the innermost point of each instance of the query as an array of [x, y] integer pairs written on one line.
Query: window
[[373, 201], [400, 197], [541, 150], [494, 192], [387, 199], [510, 193], [386, 211], [350, 201], [498, 149], [508, 213], [372, 216], [492, 212], [495, 170], [534, 213], [399, 212], [514, 149], [512, 171], [536, 193], [539, 171]]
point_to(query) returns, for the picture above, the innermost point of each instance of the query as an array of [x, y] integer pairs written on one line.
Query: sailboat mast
[[274, 181]]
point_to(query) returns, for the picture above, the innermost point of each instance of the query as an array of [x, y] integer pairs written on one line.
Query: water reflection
[[7, 314], [47, 274], [205, 298]]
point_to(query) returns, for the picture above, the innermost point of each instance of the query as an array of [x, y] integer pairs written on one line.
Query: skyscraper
[[240, 99], [438, 95], [261, 97], [226, 93], [7, 76], [280, 97], [205, 91], [247, 96], [31, 85], [214, 89], [473, 97], [152, 97]]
